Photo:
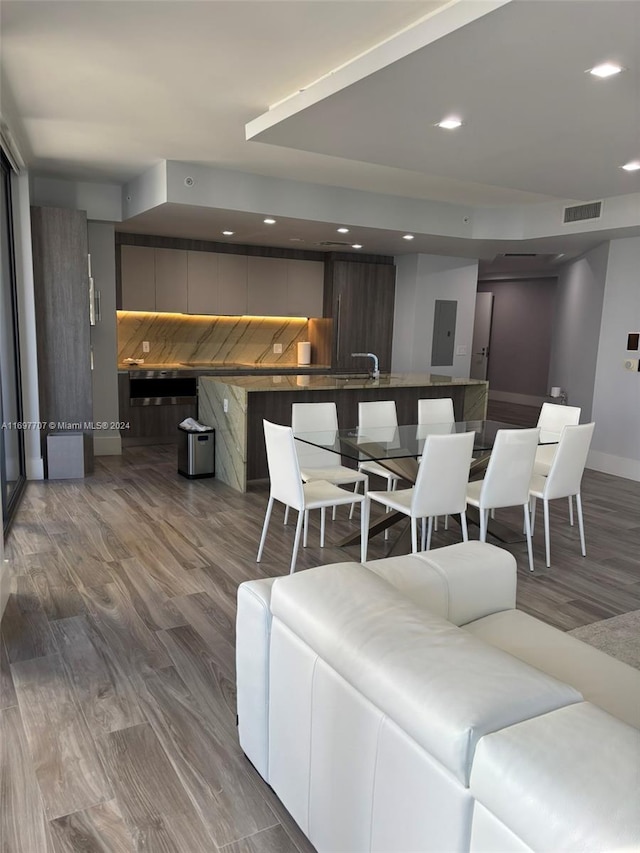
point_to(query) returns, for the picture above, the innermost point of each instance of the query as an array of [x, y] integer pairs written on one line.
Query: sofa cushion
[[444, 687], [565, 781], [460, 582], [601, 679]]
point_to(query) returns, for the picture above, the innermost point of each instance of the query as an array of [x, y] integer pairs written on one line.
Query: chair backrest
[[320, 421], [554, 417], [569, 461], [508, 474], [443, 474], [378, 419], [284, 470], [438, 410]]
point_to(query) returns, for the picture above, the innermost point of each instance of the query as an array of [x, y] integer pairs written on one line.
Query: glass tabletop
[[398, 442]]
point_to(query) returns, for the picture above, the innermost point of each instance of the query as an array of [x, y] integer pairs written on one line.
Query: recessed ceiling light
[[605, 69], [408, 237], [343, 230], [228, 233], [632, 166], [269, 221], [356, 246], [449, 123]]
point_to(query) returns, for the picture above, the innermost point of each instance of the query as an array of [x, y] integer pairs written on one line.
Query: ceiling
[[101, 91]]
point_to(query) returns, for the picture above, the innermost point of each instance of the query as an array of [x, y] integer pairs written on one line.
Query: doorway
[[481, 336]]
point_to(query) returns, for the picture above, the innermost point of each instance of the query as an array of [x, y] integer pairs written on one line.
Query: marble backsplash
[[180, 339]]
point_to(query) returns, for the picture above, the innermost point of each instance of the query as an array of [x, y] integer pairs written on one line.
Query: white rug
[[618, 636]]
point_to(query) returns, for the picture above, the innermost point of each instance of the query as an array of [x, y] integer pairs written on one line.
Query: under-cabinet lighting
[[632, 166]]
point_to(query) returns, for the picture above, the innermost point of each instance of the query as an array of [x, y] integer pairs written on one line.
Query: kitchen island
[[236, 405]]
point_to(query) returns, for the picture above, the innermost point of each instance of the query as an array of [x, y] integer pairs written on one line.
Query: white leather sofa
[[406, 705]]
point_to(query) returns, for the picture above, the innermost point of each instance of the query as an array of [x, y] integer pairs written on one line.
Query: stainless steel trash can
[[196, 453]]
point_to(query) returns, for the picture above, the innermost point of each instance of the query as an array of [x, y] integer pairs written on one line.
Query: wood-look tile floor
[[117, 680]]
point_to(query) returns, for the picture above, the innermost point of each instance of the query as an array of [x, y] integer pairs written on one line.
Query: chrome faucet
[[375, 373]]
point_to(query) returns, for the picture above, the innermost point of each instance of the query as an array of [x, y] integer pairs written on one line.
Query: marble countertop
[[234, 369], [344, 382]]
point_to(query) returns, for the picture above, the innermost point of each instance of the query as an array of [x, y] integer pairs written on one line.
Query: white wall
[[616, 398], [574, 347], [104, 339], [420, 280]]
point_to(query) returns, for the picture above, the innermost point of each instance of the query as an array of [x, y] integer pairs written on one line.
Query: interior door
[[481, 336]]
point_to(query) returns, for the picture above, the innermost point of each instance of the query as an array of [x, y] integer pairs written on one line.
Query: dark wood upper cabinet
[[360, 299]]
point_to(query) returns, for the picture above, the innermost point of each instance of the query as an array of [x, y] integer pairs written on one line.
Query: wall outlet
[[277, 348], [631, 364], [225, 405], [145, 346]]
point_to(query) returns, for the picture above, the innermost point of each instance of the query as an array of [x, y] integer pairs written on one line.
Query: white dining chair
[[380, 419], [287, 487], [564, 479], [507, 478], [436, 412], [440, 487], [553, 418], [320, 421]]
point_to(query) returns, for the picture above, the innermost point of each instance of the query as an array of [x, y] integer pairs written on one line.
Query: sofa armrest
[[460, 583], [253, 632]]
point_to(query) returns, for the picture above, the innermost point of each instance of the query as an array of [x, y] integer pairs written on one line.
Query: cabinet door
[[202, 283], [138, 274], [364, 296], [305, 284], [171, 280], [267, 286], [232, 284]]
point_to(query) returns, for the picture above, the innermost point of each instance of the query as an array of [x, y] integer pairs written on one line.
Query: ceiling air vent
[[520, 255], [580, 212], [332, 243]]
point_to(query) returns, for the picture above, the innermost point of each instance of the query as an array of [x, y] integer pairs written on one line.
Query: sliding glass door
[[12, 456]]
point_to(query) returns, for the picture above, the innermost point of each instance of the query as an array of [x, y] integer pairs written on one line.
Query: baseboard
[[107, 445], [616, 465], [520, 399]]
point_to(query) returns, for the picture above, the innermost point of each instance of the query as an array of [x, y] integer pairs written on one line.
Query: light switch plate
[[277, 348], [631, 364], [145, 346]]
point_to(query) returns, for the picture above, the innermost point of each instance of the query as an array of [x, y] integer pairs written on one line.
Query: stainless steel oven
[[162, 387]]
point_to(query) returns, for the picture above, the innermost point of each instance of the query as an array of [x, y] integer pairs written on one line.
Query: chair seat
[[338, 474], [372, 467], [537, 484], [399, 500], [544, 458], [473, 492], [319, 493]]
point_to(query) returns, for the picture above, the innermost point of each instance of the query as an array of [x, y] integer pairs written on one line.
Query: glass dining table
[[398, 449]]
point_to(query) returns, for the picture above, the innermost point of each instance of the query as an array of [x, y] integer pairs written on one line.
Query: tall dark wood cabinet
[[61, 288], [360, 298]]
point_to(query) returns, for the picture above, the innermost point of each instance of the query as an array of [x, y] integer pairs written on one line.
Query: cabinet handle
[[337, 329]]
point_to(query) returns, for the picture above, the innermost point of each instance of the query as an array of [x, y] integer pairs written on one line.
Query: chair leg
[[323, 518], [429, 532], [532, 505], [581, 524], [446, 522], [364, 529], [527, 526], [267, 516], [463, 523], [356, 489], [570, 510], [414, 535], [286, 515], [423, 538], [547, 544], [333, 514], [483, 524], [435, 524], [296, 542], [306, 528]]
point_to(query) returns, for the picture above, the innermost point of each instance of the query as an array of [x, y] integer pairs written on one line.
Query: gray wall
[[616, 396], [574, 351], [420, 280], [104, 339], [521, 333]]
